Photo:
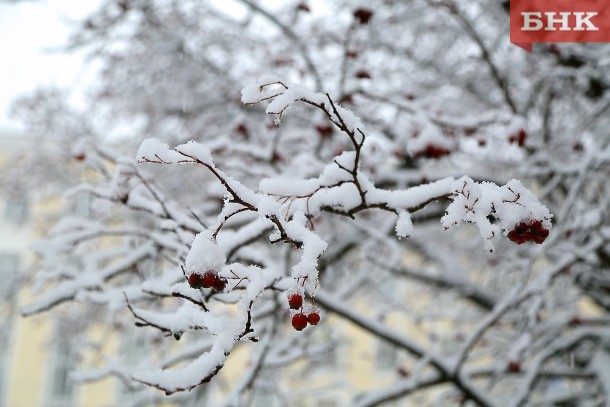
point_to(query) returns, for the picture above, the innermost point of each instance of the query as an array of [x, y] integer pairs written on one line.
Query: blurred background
[[442, 93]]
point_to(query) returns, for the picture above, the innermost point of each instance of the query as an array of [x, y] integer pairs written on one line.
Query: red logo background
[[525, 39]]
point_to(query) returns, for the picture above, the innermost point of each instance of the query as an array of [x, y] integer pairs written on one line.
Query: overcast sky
[[31, 33]]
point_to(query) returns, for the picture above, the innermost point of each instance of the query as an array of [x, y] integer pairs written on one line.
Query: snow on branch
[[208, 270]]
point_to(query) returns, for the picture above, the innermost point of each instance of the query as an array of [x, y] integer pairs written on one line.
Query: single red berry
[[363, 75], [521, 137], [482, 142], [514, 366], [302, 6], [220, 284], [541, 236], [575, 321], [324, 130], [242, 129], [313, 318], [403, 371], [470, 131], [515, 237], [80, 156], [299, 322], [295, 301], [352, 54], [195, 280], [277, 157], [521, 229], [347, 99], [363, 15], [208, 279]]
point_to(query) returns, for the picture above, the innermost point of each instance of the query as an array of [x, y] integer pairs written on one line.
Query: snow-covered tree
[[258, 174]]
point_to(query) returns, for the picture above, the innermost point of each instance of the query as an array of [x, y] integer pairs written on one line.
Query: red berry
[[518, 138], [80, 156], [521, 137], [575, 321], [541, 236], [220, 284], [515, 237], [242, 129], [324, 130], [313, 318], [514, 366], [299, 322], [352, 54], [363, 15], [208, 279], [302, 6], [295, 301], [195, 280], [347, 99], [403, 371], [363, 75], [469, 131]]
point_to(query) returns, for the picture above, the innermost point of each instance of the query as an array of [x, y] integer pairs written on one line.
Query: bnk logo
[[559, 21]]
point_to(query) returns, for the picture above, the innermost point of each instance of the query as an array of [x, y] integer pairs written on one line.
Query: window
[[386, 355], [61, 389], [3, 370], [16, 209], [9, 267]]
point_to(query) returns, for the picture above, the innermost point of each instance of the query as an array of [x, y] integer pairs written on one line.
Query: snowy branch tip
[[283, 94], [154, 151]]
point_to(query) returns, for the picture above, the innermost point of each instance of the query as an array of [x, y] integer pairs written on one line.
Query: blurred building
[[34, 363]]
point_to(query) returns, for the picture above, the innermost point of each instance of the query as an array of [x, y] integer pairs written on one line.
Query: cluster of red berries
[[300, 320], [432, 151], [209, 279], [526, 231], [518, 138]]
